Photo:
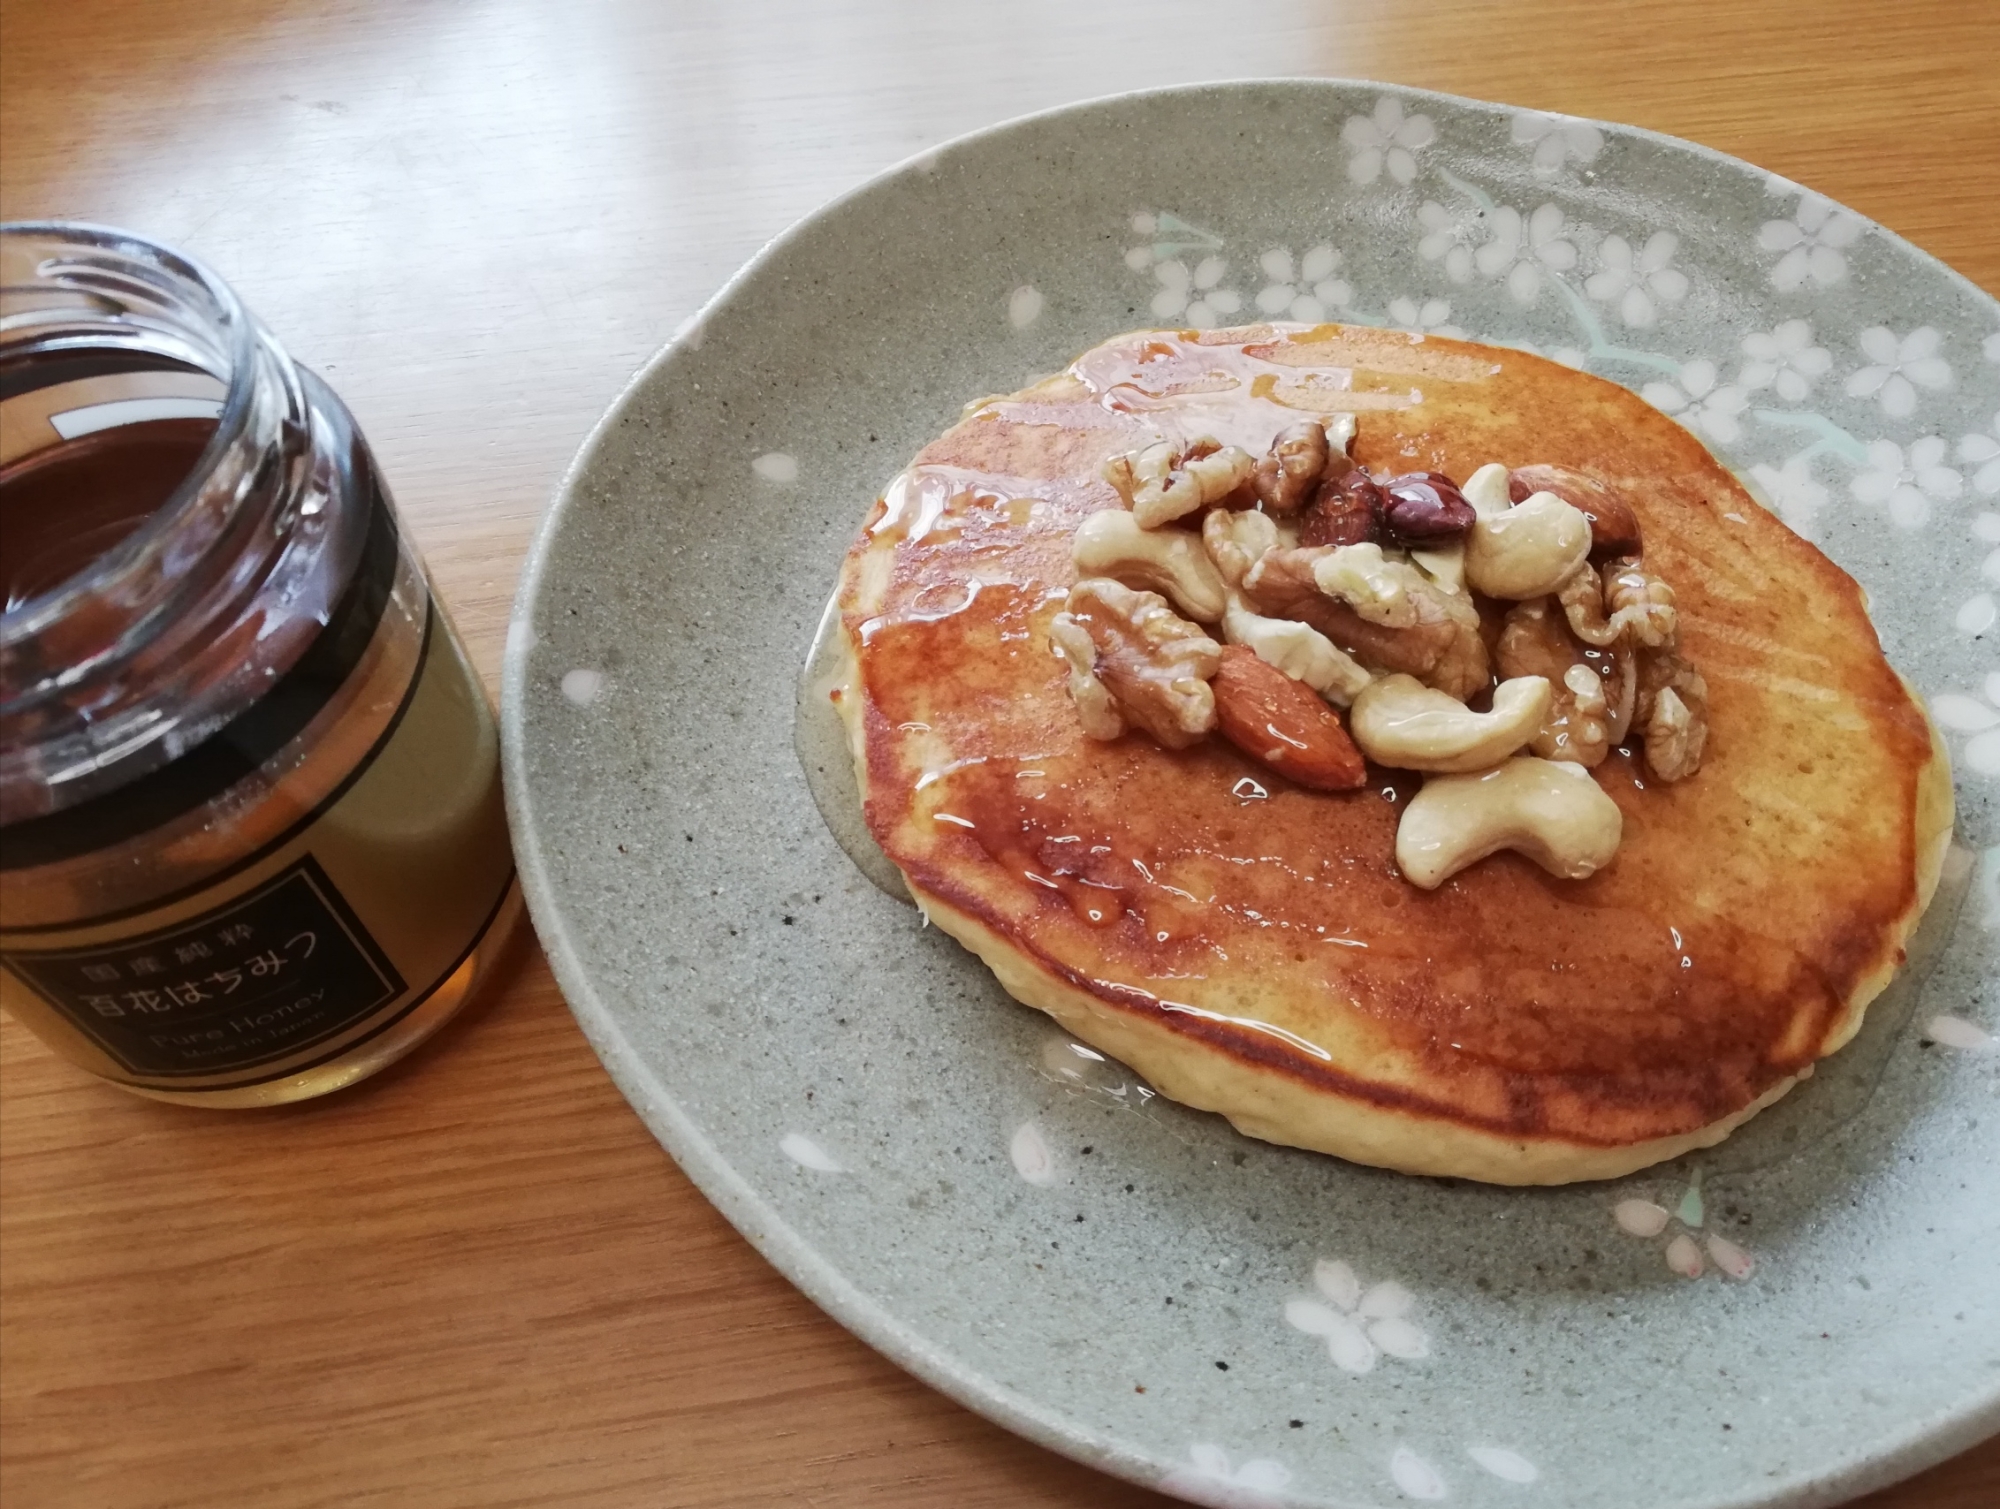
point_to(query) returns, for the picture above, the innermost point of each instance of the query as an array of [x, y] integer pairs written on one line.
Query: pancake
[[1249, 945]]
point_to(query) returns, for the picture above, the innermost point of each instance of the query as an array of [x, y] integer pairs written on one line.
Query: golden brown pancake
[[1250, 946]]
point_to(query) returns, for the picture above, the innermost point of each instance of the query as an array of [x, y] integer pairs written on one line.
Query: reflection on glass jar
[[252, 844]]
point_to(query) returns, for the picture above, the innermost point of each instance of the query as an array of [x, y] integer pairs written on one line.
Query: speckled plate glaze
[[1807, 1312]]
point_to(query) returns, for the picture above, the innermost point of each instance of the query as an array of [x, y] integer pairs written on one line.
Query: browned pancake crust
[[1750, 911]]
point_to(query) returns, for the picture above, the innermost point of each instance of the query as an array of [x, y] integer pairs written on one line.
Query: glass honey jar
[[252, 840]]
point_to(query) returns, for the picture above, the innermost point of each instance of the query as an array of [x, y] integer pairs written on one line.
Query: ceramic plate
[[1811, 1310]]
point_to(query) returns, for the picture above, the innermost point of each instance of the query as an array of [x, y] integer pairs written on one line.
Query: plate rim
[[1919, 1446]]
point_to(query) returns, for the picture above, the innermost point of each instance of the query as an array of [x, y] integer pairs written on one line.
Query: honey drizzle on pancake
[[1578, 992], [1184, 386]]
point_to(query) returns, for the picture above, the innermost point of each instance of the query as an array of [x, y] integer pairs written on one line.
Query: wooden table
[[477, 1280]]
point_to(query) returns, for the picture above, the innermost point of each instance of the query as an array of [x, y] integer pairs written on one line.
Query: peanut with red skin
[[1347, 510], [1425, 508]]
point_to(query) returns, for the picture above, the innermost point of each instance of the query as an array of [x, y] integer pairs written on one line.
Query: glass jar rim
[[239, 338]]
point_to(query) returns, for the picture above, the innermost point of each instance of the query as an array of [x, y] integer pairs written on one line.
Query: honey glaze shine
[[1672, 988]]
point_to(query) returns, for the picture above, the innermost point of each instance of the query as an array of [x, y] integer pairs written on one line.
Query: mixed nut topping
[[1336, 589]]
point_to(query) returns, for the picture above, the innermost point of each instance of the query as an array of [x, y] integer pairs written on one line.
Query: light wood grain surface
[[476, 1280]]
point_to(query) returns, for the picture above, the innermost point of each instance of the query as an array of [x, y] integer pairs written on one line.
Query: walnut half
[[1151, 665], [1291, 470], [1592, 703], [1672, 712], [1430, 634], [1160, 484], [1622, 604], [1640, 604]]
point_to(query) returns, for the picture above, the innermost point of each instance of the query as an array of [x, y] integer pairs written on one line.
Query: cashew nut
[[1486, 490], [1369, 583], [1527, 550], [1399, 721], [1443, 564], [1171, 561], [1551, 811], [1297, 649]]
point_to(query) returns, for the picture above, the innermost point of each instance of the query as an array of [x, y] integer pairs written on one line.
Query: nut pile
[[1334, 589]]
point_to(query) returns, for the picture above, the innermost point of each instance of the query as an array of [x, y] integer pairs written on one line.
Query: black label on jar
[[270, 972]]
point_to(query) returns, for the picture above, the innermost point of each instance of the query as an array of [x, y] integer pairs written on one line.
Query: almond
[[1283, 724]]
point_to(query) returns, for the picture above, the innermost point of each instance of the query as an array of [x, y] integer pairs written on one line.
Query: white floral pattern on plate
[[1306, 291], [1210, 1478], [1683, 1254], [1429, 318], [1814, 243], [1033, 1159], [1359, 1325], [1449, 237], [1698, 401], [1898, 364], [1387, 138], [1977, 613], [582, 685], [1194, 296], [1983, 451], [1957, 1032], [1557, 139], [1907, 483], [1785, 360], [807, 1153], [1509, 1466], [1522, 249], [1638, 282], [1977, 716], [1416, 1477]]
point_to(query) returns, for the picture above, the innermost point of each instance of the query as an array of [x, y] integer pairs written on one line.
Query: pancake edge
[[1936, 815], [1274, 1107]]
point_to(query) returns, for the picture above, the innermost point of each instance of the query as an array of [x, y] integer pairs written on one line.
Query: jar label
[[365, 911], [269, 973]]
